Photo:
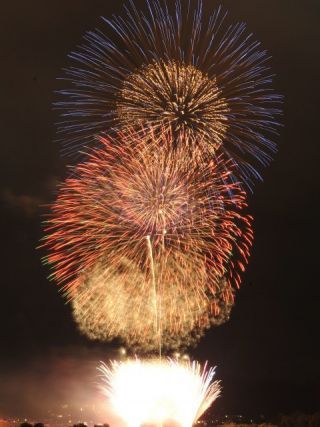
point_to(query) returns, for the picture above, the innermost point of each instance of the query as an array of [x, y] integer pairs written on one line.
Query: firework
[[178, 96], [105, 307], [179, 67], [156, 218], [158, 392]]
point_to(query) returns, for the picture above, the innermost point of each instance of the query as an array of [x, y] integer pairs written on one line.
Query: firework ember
[[155, 217], [177, 67], [159, 392]]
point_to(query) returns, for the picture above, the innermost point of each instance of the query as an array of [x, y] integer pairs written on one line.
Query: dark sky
[[268, 354]]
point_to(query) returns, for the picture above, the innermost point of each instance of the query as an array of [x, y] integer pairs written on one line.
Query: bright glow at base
[[159, 391]]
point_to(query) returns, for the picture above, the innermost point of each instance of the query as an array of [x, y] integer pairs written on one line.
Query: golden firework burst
[[178, 96]]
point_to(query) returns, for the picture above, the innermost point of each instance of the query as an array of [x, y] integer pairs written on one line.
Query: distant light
[[122, 351]]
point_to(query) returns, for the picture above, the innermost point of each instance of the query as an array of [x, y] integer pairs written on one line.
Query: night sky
[[268, 353]]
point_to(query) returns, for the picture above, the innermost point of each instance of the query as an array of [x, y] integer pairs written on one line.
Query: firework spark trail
[[156, 392], [128, 190], [157, 331], [180, 66]]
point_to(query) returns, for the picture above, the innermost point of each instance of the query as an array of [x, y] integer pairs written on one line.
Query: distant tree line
[[247, 425], [299, 420], [32, 425], [75, 425], [292, 420]]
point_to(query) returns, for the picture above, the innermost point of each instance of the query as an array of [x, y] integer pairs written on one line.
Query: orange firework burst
[[175, 221]]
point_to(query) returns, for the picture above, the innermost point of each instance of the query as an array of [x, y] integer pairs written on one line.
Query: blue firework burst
[[174, 66]]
